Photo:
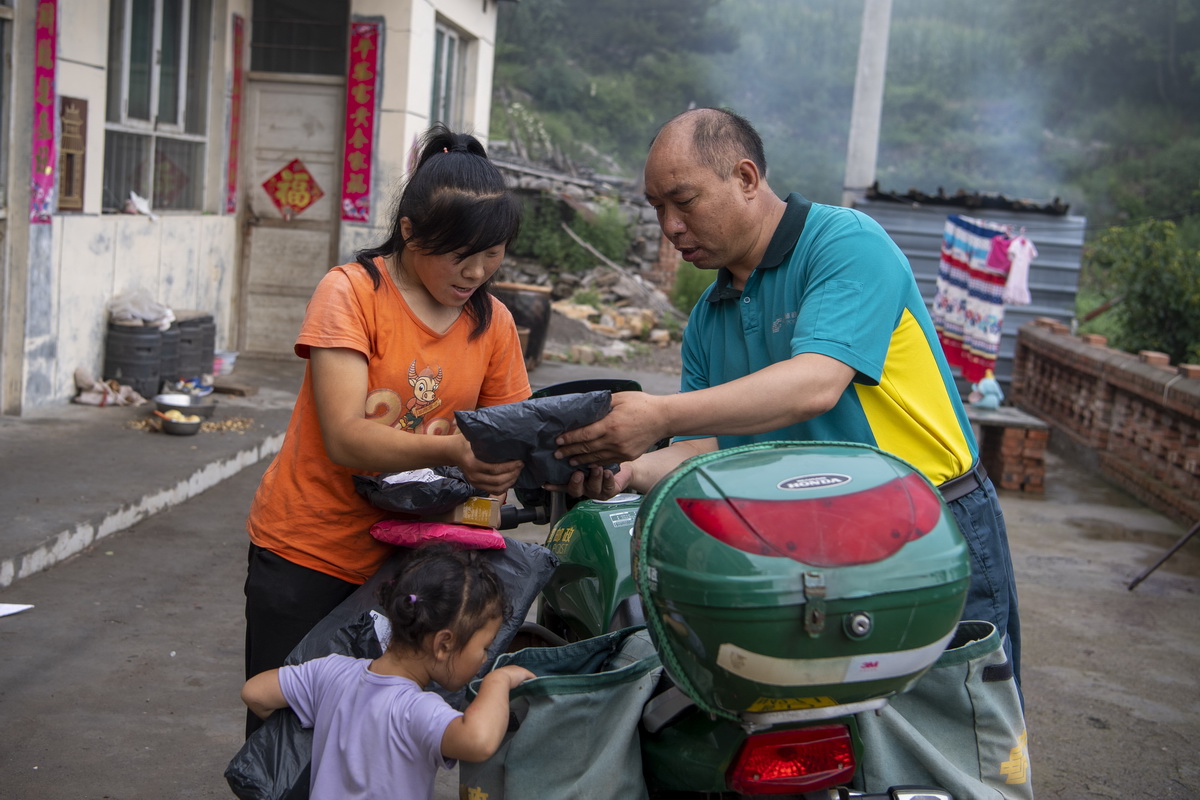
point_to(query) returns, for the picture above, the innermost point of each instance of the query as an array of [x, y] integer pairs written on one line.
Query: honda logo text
[[814, 481]]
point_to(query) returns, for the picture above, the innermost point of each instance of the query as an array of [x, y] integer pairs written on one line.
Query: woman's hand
[[493, 478]]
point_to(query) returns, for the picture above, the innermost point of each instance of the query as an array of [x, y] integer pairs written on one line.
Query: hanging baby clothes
[[968, 311], [998, 257], [1021, 253]]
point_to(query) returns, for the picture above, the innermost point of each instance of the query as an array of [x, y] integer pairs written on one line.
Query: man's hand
[[595, 482], [637, 420]]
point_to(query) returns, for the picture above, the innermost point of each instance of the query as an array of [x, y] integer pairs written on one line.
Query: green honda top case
[[792, 575]]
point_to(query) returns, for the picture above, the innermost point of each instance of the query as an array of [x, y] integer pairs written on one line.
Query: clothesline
[[981, 269]]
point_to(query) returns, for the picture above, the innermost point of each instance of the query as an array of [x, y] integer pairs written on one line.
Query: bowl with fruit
[[176, 423], [185, 404]]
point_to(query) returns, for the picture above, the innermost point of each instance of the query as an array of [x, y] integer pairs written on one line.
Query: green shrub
[[690, 283], [587, 297], [542, 237], [1106, 323], [608, 231], [1157, 278]]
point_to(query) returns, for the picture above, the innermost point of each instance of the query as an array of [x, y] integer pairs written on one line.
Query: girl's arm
[[340, 382], [262, 693], [477, 734]]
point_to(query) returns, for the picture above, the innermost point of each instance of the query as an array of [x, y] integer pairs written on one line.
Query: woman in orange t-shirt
[[396, 343]]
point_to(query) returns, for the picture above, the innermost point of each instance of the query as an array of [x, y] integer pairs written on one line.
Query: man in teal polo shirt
[[813, 330]]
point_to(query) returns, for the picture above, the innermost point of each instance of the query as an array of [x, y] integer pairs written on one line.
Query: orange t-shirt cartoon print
[[307, 509]]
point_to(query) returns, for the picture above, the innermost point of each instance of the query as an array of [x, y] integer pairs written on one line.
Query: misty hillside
[[1093, 101]]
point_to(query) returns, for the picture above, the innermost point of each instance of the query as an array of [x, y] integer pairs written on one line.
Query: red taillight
[[786, 762], [844, 530]]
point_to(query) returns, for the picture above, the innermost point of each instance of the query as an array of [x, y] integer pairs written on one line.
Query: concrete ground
[[122, 680]]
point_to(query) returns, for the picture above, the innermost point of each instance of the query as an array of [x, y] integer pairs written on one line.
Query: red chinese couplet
[[41, 195], [360, 121], [235, 113]]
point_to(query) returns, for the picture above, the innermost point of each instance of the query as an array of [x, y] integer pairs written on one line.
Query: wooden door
[[285, 253]]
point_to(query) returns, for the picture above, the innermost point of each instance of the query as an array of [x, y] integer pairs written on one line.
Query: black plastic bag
[[527, 430], [274, 763], [421, 492]]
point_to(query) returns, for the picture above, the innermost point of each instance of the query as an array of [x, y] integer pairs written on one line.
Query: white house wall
[[74, 266], [406, 92], [186, 262], [82, 72]]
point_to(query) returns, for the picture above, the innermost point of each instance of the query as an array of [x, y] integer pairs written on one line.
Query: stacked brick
[[1015, 456], [1138, 413]]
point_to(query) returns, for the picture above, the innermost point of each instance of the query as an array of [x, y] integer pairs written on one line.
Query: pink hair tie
[[445, 149]]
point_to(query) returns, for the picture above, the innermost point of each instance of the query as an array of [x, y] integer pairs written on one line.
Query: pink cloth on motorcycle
[[408, 533]]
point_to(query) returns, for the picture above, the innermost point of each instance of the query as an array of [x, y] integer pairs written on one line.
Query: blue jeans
[[992, 594]]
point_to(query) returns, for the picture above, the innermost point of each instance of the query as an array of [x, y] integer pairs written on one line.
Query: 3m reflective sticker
[[774, 671]]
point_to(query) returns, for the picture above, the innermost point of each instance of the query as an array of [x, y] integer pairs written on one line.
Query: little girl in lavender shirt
[[376, 731]]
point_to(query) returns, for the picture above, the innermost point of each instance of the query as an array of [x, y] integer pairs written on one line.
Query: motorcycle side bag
[[786, 576]]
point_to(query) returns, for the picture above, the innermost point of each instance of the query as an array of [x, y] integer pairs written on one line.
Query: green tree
[[601, 77], [1097, 53], [690, 283], [1121, 83], [793, 77], [1157, 280], [1096, 102], [960, 112]]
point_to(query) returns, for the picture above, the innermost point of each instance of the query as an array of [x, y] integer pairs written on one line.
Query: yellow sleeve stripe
[[911, 413]]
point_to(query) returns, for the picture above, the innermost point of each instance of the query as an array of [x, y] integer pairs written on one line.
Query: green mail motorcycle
[[786, 586]]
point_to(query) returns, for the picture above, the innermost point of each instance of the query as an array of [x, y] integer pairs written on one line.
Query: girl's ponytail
[[442, 588], [457, 202]]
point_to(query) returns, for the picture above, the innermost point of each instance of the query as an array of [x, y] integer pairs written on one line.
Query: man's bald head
[[719, 138]]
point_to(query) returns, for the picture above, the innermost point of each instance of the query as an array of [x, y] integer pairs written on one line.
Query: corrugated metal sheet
[[1053, 275]]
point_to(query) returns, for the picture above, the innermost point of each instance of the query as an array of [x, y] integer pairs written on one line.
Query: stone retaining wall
[[1136, 417]]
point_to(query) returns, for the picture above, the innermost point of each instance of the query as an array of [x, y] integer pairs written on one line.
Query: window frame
[[155, 130], [449, 79], [154, 123]]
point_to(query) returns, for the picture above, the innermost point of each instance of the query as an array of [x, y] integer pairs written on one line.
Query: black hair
[[721, 137], [442, 588], [457, 202]]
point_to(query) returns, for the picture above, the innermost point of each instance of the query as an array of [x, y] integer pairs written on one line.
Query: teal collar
[[787, 233]]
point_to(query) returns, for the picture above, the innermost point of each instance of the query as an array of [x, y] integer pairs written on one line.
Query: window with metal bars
[[306, 37], [156, 127]]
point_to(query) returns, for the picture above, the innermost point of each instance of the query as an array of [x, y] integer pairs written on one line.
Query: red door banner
[[293, 189], [41, 194], [361, 77], [235, 113]]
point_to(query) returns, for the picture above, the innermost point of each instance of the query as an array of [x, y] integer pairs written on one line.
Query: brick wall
[[1138, 415], [1014, 457]]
